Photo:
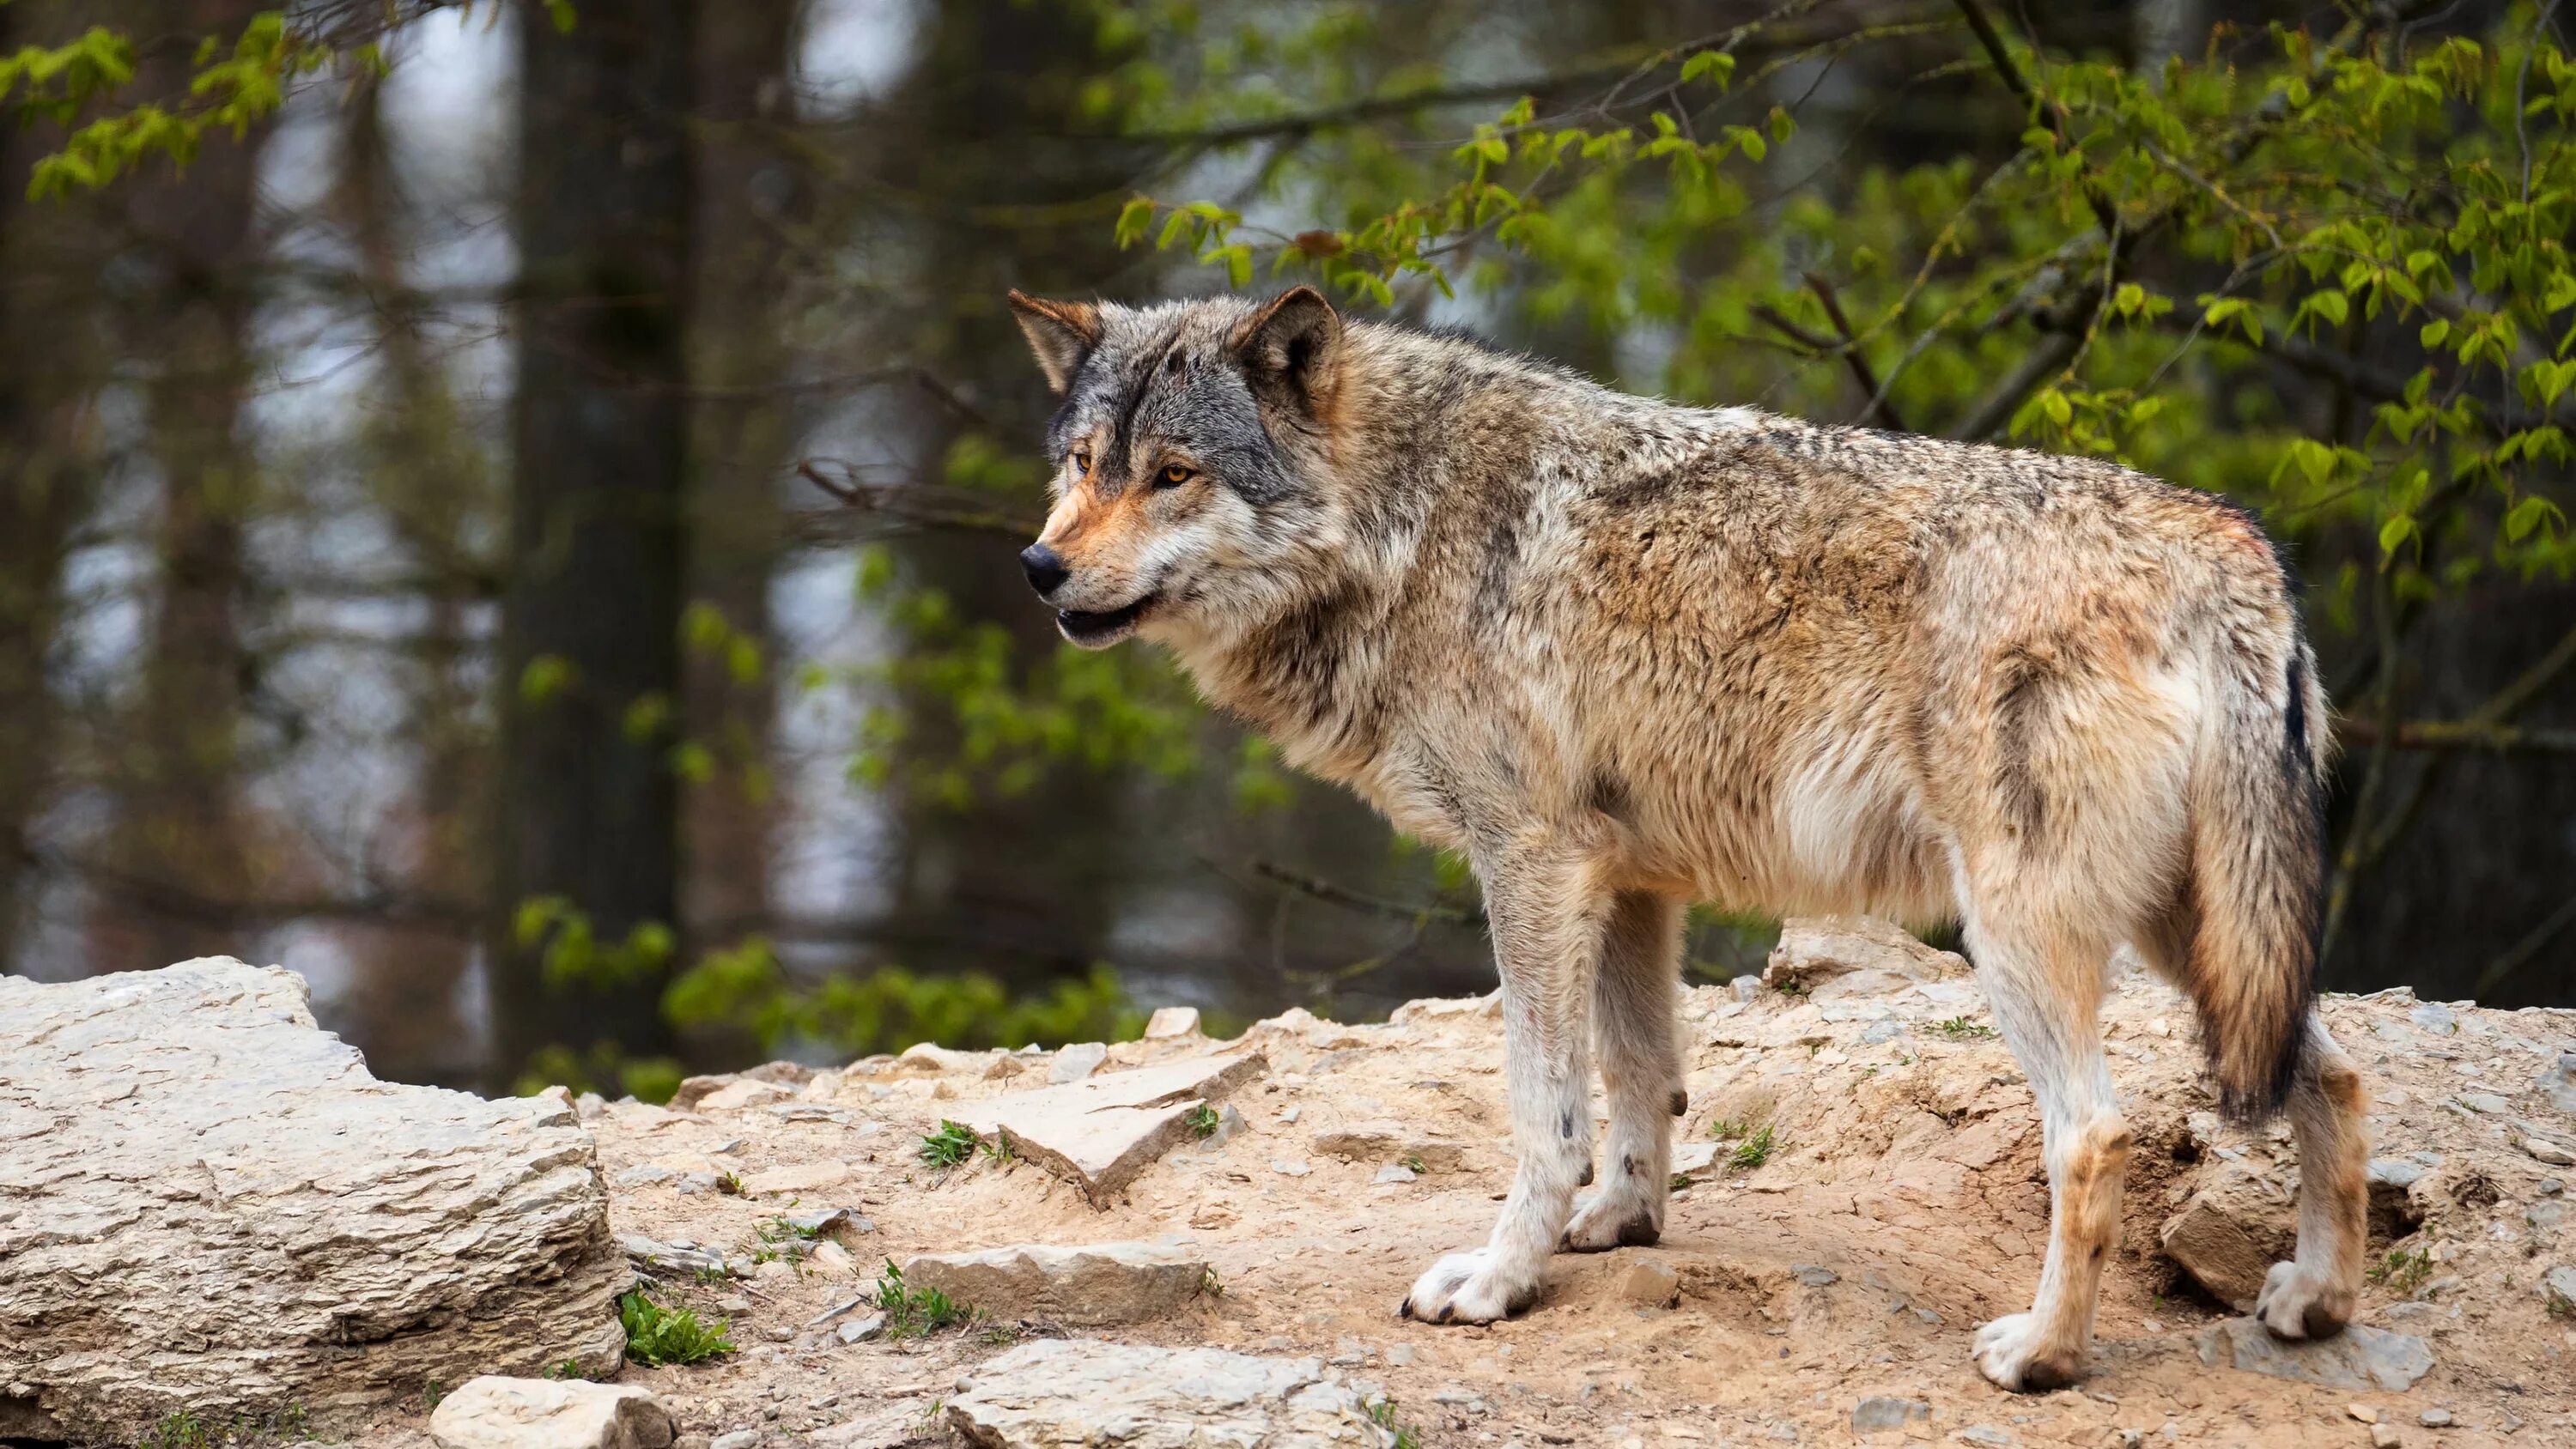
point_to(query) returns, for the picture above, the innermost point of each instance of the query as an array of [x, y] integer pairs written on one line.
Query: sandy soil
[[1903, 1204]]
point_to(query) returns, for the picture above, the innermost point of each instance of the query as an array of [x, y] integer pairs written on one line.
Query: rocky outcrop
[[207, 1204], [1096, 1283], [1047, 1395], [501, 1413], [1099, 1132]]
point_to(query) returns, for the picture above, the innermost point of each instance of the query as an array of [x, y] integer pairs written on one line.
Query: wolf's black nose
[[1046, 571]]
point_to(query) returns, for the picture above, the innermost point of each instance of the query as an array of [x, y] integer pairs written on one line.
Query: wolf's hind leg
[[1641, 1073], [2046, 990], [1547, 920], [2313, 1295]]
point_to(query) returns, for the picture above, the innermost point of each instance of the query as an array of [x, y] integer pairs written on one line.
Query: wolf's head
[[1191, 461]]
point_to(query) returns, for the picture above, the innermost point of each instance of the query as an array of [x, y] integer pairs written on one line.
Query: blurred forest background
[[509, 509]]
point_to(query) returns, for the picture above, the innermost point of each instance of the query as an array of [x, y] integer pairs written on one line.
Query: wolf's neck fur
[[1434, 439]]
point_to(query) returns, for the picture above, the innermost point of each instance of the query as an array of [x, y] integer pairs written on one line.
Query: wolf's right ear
[[1062, 334], [1288, 350]]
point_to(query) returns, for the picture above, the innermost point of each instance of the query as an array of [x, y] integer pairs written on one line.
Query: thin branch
[[1877, 405], [1340, 895], [922, 505], [2466, 735], [2514, 957], [2042, 363]]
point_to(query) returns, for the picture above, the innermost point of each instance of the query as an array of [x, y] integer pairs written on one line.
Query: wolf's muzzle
[[1046, 571]]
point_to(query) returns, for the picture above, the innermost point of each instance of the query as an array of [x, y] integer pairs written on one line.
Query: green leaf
[[1714, 66], [2395, 532]]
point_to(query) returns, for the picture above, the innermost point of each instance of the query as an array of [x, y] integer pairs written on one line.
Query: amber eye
[[1082, 463], [1174, 475]]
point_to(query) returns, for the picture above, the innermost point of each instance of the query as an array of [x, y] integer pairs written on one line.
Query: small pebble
[[2434, 1418]]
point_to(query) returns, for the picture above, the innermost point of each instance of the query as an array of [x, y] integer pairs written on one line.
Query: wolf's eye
[[1082, 464], [1174, 475]]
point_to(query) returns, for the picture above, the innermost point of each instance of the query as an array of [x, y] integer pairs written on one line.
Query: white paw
[[1613, 1219], [1468, 1288], [2012, 1354], [2299, 1302]]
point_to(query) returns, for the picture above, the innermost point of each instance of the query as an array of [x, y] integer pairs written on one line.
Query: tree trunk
[[590, 665]]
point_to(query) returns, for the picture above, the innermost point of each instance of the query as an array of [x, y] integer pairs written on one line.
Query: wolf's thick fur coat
[[1626, 655]]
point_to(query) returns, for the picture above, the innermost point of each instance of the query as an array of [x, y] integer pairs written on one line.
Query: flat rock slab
[[1814, 950], [207, 1203], [2230, 1232], [1063, 1391], [1092, 1284], [2357, 1358], [503, 1413], [1100, 1132]]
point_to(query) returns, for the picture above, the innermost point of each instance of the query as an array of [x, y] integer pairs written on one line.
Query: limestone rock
[[1091, 1284], [2231, 1232], [207, 1203], [1077, 1061], [740, 1095], [1100, 1132], [2558, 1287], [1172, 1021], [1879, 1413], [799, 1177], [1815, 949], [1383, 1141], [2357, 1358], [1650, 1282], [1060, 1392], [502, 1413], [1449, 1008]]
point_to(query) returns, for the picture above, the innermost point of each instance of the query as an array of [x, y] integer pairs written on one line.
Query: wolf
[[1625, 655]]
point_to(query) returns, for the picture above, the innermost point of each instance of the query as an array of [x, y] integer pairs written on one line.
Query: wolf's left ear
[[1289, 350], [1062, 334]]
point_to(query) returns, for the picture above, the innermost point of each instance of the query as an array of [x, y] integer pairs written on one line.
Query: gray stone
[[645, 1174], [2559, 1082], [210, 1204], [2436, 1018], [1983, 1434], [2357, 1358], [2434, 1418], [2487, 1103], [1395, 1172], [1092, 1284], [738, 1439], [1099, 1133], [2543, 1149], [652, 1253], [1059, 1392], [2230, 1232], [2558, 1287], [1650, 1282], [1168, 1022], [1879, 1413], [1815, 949], [1814, 1276], [860, 1330], [1076, 1062], [839, 1224], [492, 1412], [1384, 1141]]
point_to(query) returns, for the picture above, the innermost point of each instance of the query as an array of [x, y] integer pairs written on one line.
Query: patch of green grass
[[1203, 1121], [999, 1149], [2402, 1271], [912, 1312], [952, 1144], [656, 1335], [1753, 1151], [1959, 1028], [182, 1430], [1414, 1164], [730, 1184], [1383, 1412], [1727, 1129], [568, 1369]]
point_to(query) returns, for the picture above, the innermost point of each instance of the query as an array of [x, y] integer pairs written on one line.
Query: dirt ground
[[1903, 1203]]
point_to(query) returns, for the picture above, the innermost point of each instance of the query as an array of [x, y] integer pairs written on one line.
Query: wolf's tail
[[2258, 862]]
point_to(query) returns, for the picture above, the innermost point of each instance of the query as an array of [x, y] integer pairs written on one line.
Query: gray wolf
[[1625, 655]]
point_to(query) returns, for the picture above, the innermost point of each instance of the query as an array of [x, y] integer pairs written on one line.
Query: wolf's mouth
[[1097, 630]]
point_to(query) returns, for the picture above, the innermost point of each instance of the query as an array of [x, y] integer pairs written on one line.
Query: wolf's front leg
[[1547, 918]]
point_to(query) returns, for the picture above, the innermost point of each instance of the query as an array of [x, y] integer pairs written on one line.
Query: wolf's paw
[[2300, 1302], [2012, 1353], [1612, 1219], [1467, 1288]]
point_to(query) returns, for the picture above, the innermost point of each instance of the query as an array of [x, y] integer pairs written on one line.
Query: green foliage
[[231, 87], [1382, 1413], [1753, 1151], [952, 1144], [746, 988], [2403, 1271], [181, 1430], [915, 1312], [1728, 1129], [1959, 1028], [601, 1068], [1203, 1121], [573, 957], [656, 1335]]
